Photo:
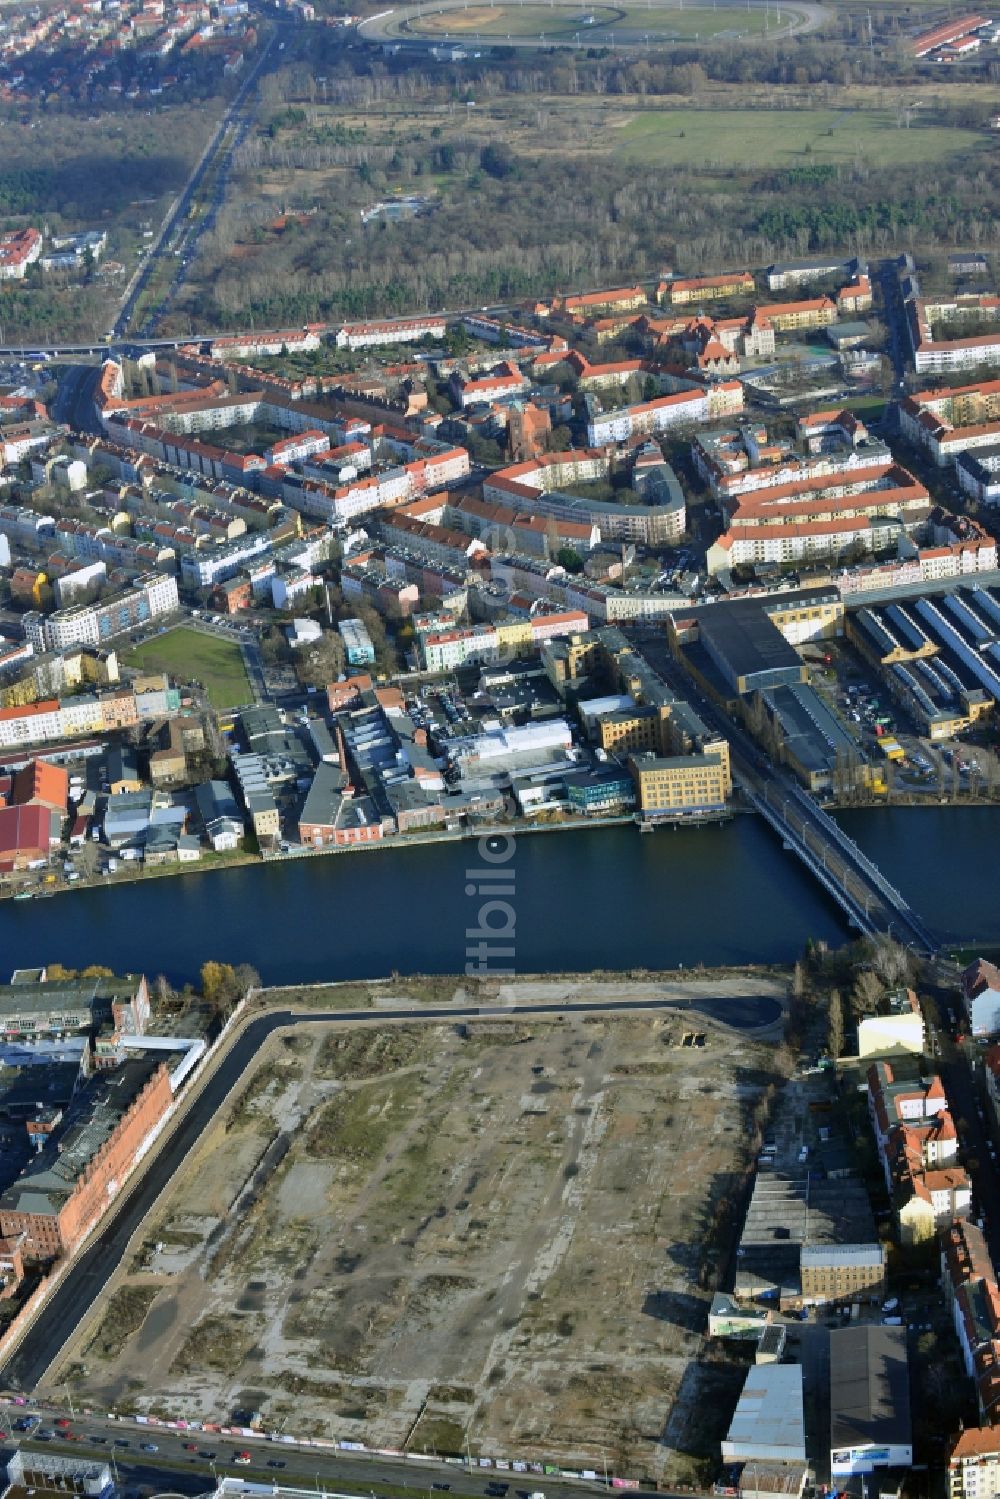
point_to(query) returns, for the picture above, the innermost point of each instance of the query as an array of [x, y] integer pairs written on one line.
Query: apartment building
[[425, 536], [267, 345], [504, 381], [799, 272], [787, 317], [980, 989], [659, 415], [894, 1099], [739, 461], [926, 1202], [150, 597], [711, 288], [588, 304], [449, 649], [925, 1145], [868, 506], [900, 1028], [974, 1463], [300, 445], [431, 464], [939, 356], [855, 297], [26, 527], [948, 423], [978, 474], [918, 1147], [443, 650], [536, 535], [494, 331], [969, 1283], [394, 331], [389, 595], [19, 248], [603, 376], [54, 719], [19, 440]]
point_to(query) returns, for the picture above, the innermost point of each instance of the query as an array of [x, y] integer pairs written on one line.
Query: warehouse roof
[[869, 1387], [67, 994], [814, 736], [768, 1420], [747, 640], [95, 1113], [786, 1209]]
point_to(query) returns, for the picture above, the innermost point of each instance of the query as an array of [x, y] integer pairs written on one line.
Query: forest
[[533, 191], [531, 172]]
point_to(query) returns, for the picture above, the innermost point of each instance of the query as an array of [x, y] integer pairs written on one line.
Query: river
[[602, 898]]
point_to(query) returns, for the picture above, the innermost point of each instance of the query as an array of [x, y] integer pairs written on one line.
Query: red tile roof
[[41, 782], [25, 831]]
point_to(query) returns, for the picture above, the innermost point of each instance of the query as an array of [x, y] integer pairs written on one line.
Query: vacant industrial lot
[[503, 1233]]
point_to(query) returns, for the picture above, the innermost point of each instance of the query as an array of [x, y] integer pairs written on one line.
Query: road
[[74, 402], [172, 1469], [175, 215], [70, 1303], [971, 1110], [894, 316]]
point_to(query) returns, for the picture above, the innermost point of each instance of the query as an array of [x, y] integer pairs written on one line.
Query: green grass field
[[190, 656], [592, 24], [783, 138]]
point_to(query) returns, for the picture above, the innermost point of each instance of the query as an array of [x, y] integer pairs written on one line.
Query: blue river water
[[597, 898]]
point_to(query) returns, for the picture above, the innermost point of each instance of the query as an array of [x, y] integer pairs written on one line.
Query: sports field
[[783, 138], [190, 656], [583, 23]]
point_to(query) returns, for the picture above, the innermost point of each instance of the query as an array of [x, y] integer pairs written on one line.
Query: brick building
[[842, 1273], [64, 1191]]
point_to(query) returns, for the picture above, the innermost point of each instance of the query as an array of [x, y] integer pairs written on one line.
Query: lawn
[[783, 138], [510, 20], [190, 656], [591, 23], [871, 408], [702, 22]]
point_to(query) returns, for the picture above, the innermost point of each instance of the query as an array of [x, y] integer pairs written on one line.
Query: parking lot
[[912, 763]]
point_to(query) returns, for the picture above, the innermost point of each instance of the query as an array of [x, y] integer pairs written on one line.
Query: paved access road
[[172, 1469], [84, 1282]]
